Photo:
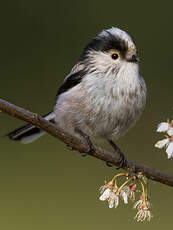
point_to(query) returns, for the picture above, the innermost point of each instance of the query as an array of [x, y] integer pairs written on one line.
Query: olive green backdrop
[[44, 185]]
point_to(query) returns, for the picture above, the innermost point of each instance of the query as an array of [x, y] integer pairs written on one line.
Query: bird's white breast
[[103, 106]]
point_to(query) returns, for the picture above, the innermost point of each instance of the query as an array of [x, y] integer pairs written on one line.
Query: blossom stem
[[116, 176], [144, 193], [126, 182]]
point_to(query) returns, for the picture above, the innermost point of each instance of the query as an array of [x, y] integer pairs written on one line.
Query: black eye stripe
[[115, 56], [106, 43]]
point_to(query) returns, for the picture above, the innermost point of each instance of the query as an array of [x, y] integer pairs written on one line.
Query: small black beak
[[134, 59]]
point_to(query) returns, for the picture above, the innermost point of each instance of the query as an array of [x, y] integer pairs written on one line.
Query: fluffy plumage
[[101, 96], [111, 95]]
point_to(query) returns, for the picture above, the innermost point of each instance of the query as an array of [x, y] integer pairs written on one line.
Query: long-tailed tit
[[102, 97]]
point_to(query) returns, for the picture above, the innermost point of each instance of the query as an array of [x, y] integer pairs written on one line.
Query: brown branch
[[75, 143]]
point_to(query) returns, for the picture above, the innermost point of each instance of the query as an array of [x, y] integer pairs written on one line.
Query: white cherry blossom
[[113, 200], [168, 144], [163, 127], [106, 194], [143, 214], [166, 127]]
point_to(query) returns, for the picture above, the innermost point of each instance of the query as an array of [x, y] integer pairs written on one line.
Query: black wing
[[74, 78]]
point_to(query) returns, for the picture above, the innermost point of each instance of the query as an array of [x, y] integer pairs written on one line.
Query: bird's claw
[[121, 162]]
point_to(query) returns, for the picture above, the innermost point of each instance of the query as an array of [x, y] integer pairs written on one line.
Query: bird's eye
[[115, 55]]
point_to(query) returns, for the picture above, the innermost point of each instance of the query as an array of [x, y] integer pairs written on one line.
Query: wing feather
[[74, 78]]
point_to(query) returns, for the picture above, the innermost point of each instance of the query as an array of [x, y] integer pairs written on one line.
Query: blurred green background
[[44, 185]]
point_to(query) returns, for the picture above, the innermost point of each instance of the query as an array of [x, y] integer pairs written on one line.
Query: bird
[[103, 95]]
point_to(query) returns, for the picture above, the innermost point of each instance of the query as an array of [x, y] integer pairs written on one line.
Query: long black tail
[[29, 133]]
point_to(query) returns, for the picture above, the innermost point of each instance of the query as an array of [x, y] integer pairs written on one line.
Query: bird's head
[[109, 52]]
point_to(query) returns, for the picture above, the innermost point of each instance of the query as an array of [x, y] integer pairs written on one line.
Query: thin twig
[[77, 144]]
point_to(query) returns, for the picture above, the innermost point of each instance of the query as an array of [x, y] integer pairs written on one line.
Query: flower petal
[[113, 200], [105, 194], [170, 131], [124, 196], [138, 204], [116, 201], [111, 203], [169, 150], [163, 127], [162, 143]]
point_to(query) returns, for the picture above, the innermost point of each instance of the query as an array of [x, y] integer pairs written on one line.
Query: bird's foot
[[87, 139], [123, 159]]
